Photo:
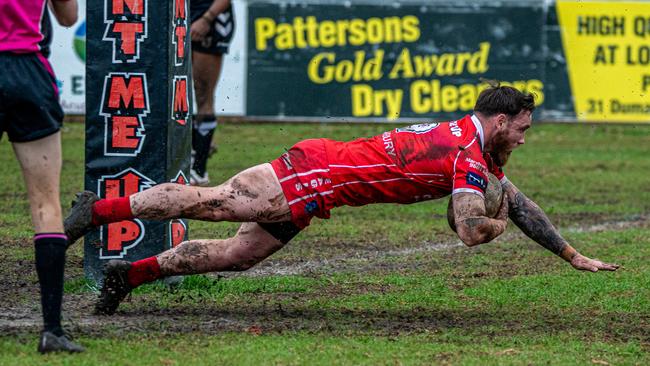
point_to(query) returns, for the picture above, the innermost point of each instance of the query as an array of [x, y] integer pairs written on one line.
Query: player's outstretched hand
[[582, 263]]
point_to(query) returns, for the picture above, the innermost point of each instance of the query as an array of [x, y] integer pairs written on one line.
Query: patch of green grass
[[310, 349], [18, 253], [626, 290], [79, 285], [200, 289], [211, 286], [605, 293]]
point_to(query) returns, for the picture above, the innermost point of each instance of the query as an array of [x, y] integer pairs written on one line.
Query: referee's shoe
[[50, 342]]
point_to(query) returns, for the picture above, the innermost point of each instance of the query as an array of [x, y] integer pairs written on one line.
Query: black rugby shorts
[[29, 97]]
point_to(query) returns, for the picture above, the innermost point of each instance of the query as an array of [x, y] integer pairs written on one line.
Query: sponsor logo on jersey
[[126, 27], [311, 207], [125, 103], [455, 129], [388, 143], [180, 107], [179, 32], [119, 237], [317, 182], [476, 165], [419, 128], [314, 183], [473, 179]]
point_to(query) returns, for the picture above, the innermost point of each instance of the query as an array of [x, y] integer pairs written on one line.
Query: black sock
[[202, 131], [50, 261]]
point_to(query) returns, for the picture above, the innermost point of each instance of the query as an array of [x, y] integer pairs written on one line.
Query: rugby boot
[[50, 342], [80, 219], [197, 179], [116, 287]]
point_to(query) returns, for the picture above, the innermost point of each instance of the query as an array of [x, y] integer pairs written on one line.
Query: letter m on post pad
[[125, 104]]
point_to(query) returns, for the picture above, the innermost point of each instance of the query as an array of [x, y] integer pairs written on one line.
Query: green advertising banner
[[387, 62]]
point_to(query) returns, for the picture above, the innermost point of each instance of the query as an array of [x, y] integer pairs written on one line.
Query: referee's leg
[[40, 161]]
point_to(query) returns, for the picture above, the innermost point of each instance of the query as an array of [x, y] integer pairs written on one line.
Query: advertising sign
[[382, 61], [68, 59], [607, 45]]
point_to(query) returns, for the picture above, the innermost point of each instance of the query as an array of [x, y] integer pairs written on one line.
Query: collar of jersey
[[479, 129]]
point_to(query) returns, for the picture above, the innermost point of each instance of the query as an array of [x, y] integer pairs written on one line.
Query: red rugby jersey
[[411, 164]]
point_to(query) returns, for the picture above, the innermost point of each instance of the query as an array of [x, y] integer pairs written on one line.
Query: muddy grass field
[[374, 285]]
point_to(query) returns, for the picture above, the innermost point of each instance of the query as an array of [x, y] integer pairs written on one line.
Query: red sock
[[111, 210], [143, 271]]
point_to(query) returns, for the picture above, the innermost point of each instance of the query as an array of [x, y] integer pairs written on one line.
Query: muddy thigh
[[253, 195]]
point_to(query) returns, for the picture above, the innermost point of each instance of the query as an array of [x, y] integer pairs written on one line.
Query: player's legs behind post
[[253, 197]]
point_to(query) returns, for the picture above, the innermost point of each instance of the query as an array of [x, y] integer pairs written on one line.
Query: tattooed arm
[[533, 222], [472, 226]]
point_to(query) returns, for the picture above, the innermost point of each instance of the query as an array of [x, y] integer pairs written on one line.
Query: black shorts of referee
[[29, 97]]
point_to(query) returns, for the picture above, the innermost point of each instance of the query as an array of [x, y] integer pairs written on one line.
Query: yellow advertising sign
[[607, 45]]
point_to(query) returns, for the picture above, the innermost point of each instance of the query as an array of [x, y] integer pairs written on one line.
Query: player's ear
[[501, 120]]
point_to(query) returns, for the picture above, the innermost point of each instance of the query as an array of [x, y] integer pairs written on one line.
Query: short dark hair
[[503, 99]]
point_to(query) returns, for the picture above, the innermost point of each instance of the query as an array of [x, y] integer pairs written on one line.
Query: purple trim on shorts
[[48, 67], [50, 236]]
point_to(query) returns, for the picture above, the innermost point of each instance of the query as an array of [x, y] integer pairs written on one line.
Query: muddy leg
[[248, 247], [252, 195]]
